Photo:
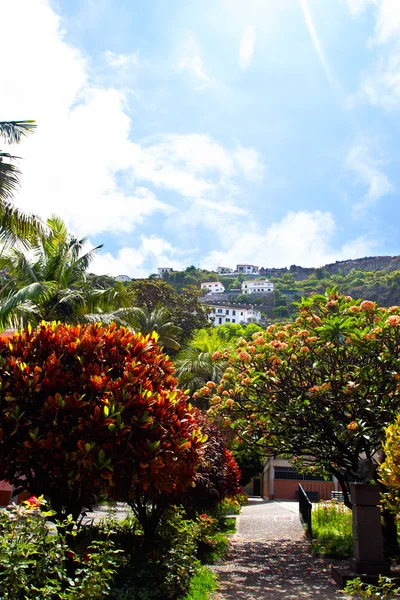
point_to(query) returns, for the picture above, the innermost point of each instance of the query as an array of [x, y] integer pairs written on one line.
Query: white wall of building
[[232, 314], [249, 287], [247, 269], [213, 287], [123, 278], [224, 270], [162, 270]]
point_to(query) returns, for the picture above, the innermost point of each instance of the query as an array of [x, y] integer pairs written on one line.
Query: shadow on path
[[270, 559]]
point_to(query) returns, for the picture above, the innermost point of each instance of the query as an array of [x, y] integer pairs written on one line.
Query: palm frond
[[12, 131], [34, 293], [9, 176], [16, 225]]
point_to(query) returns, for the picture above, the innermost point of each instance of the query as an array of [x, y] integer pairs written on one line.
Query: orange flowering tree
[[320, 390], [88, 410]]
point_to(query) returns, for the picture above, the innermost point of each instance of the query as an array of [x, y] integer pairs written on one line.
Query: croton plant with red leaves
[[218, 475], [87, 410]]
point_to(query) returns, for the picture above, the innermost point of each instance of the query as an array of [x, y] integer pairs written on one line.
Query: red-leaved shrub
[[90, 410]]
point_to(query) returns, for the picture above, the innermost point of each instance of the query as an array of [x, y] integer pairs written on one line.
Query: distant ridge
[[368, 263]]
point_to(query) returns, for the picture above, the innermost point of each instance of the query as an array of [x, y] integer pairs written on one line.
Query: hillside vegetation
[[374, 278]]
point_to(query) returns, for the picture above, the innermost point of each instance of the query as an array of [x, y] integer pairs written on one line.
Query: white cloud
[[138, 262], [250, 163], [302, 238], [357, 6], [120, 61], [191, 61], [380, 84], [193, 165], [388, 22], [247, 47], [81, 162], [368, 170]]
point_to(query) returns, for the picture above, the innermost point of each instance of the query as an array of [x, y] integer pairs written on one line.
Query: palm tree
[[194, 365], [48, 282], [158, 320], [15, 225]]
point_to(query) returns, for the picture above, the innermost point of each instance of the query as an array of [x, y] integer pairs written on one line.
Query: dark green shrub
[[161, 567]]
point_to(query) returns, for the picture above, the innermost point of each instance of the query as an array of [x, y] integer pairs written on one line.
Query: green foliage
[[194, 364], [332, 529], [203, 583], [159, 321], [249, 462], [47, 281], [164, 567], [385, 589], [389, 470], [186, 310], [37, 563], [15, 225]]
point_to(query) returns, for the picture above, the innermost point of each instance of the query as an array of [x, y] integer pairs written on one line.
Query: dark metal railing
[[305, 510]]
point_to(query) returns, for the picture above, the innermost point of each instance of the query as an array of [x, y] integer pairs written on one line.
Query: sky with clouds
[[209, 132]]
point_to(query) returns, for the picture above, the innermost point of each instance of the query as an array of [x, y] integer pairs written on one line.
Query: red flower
[[33, 502]]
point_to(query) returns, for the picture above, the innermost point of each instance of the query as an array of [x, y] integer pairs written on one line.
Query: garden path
[[270, 558]]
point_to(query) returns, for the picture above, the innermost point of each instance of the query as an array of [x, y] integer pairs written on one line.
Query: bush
[[162, 567], [203, 583], [91, 410], [390, 468], [332, 529], [217, 477], [385, 589], [37, 563]]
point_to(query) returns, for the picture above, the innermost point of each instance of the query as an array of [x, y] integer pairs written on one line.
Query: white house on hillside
[[247, 269], [123, 278], [213, 287], [234, 314], [162, 270], [224, 270], [249, 287]]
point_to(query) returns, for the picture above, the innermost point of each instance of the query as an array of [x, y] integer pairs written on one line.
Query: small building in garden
[[280, 481]]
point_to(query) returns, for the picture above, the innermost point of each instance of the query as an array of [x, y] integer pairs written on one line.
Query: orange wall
[[285, 489]]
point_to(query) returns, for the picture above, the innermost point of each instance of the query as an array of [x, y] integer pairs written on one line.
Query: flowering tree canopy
[[320, 390], [86, 410]]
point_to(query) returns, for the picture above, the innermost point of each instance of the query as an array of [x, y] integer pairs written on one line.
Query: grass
[[229, 526], [332, 530], [202, 584]]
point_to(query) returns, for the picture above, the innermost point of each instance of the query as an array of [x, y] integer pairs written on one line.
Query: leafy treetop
[[320, 390]]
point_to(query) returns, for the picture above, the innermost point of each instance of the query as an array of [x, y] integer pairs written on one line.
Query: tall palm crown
[[194, 364], [47, 281], [159, 320], [14, 223]]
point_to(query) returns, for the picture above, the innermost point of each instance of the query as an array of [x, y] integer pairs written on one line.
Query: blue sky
[[210, 132]]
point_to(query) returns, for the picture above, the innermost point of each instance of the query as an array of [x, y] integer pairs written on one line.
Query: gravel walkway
[[270, 558]]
